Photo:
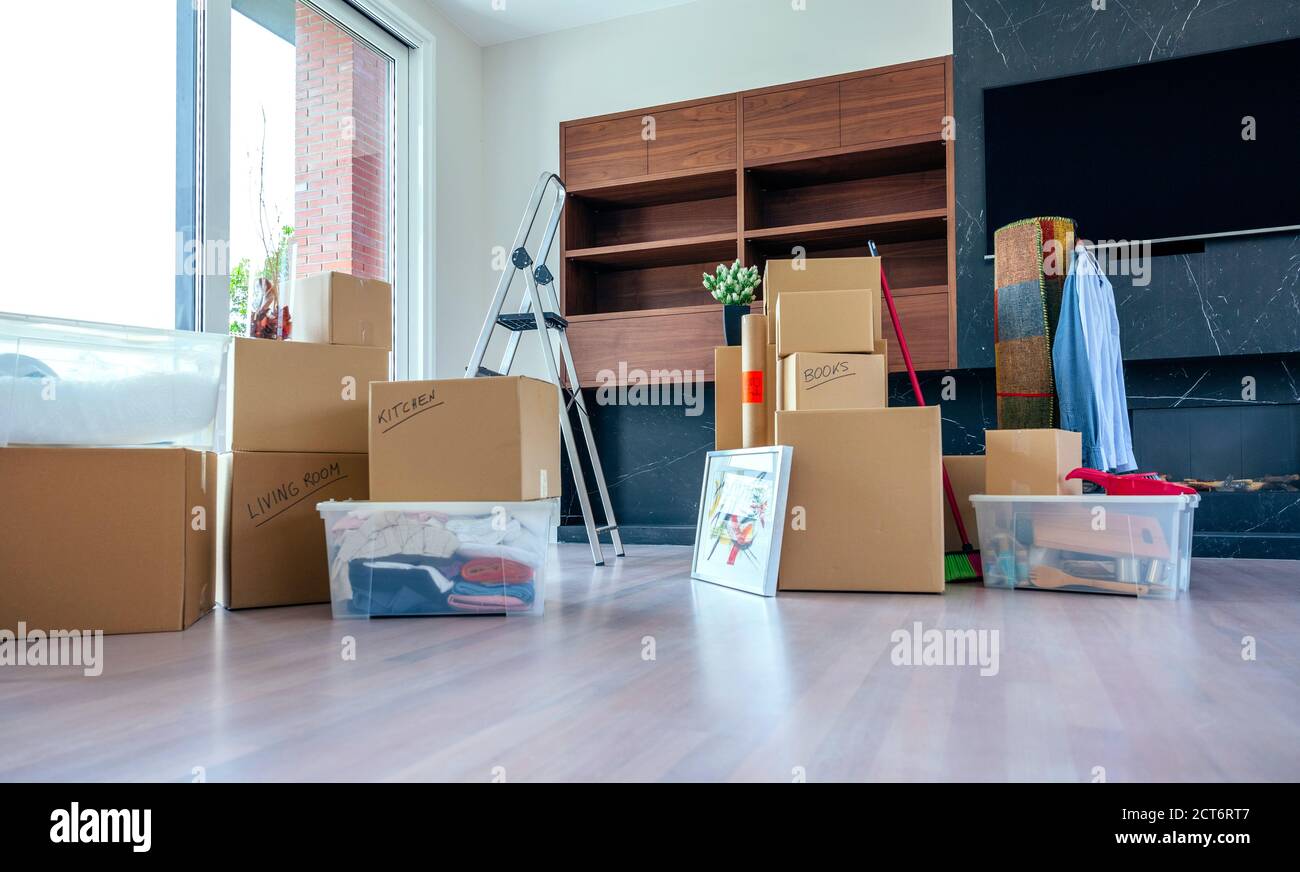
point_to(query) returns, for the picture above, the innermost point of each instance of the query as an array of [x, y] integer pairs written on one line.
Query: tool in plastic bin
[[969, 553], [1134, 484]]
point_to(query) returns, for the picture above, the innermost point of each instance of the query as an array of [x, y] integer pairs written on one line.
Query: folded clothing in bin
[[401, 584], [430, 561]]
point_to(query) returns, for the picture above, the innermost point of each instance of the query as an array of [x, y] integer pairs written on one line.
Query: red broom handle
[[920, 401]]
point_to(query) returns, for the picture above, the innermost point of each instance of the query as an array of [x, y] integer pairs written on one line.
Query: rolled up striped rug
[[1031, 261]]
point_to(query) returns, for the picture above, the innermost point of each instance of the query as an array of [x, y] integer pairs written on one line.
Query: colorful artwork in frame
[[742, 517]]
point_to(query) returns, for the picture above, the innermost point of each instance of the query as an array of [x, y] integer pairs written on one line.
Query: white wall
[[457, 172], [680, 53]]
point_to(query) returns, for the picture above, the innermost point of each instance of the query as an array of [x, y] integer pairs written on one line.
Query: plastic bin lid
[[1191, 500]]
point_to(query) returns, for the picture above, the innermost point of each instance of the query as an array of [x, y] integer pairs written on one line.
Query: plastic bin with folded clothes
[[404, 559]]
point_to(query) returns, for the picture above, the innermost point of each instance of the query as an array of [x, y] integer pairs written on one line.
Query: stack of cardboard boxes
[[865, 511], [298, 436], [136, 540]]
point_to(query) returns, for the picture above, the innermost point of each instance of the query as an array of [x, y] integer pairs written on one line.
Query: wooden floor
[[740, 688]]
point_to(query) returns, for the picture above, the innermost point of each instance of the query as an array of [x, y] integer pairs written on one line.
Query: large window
[[91, 183], [311, 169], [182, 158]]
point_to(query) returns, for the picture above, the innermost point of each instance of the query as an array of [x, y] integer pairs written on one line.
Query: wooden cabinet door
[[892, 105], [682, 340], [694, 138], [603, 151], [792, 121], [925, 320]]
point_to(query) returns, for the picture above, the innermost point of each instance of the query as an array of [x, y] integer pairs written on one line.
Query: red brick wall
[[340, 204]]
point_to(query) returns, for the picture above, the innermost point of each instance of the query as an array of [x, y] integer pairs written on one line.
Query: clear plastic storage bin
[[1135, 546], [403, 559], [83, 383]]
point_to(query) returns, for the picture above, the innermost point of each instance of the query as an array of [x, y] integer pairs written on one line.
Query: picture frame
[[742, 518]]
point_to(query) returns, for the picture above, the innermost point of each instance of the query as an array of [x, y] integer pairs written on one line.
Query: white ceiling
[[488, 22]]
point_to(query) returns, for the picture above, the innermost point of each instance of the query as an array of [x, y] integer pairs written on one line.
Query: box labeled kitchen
[[342, 309], [121, 540], [464, 439], [302, 396], [272, 548]]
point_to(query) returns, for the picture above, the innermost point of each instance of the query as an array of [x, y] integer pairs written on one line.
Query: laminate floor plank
[[637, 673]]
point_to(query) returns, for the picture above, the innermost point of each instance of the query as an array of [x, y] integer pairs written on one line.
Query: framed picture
[[742, 517]]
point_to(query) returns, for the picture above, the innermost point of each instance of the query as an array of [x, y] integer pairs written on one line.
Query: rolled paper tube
[[753, 362]]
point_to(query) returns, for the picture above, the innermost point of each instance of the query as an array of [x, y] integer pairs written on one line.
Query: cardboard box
[[465, 439], [866, 500], [1031, 462], [831, 321], [271, 548], [821, 274], [301, 396], [726, 395], [341, 309], [812, 381], [121, 540], [966, 472]]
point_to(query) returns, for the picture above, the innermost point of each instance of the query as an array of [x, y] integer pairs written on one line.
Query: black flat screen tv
[[1207, 145]]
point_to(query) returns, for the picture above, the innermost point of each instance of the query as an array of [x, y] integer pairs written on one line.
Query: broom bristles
[[962, 566]]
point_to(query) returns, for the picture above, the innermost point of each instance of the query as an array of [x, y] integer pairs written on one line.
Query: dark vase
[[731, 316]]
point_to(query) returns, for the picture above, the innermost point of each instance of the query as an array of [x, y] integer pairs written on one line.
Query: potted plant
[[733, 287]]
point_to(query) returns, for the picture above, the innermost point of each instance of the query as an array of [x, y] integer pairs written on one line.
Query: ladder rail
[[540, 297], [596, 469], [570, 445]]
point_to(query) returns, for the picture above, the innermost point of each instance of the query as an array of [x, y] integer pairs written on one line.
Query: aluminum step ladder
[[539, 311]]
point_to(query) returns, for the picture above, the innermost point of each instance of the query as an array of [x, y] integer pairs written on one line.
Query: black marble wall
[[1236, 296], [654, 456]]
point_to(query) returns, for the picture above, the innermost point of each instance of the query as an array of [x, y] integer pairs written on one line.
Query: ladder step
[[483, 372], [521, 321], [607, 528]]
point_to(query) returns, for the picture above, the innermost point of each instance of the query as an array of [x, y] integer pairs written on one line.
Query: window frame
[[381, 25]]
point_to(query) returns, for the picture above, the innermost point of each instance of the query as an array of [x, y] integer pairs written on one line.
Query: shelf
[[874, 158], [644, 313], [921, 224], [918, 290], [664, 252], [694, 184]]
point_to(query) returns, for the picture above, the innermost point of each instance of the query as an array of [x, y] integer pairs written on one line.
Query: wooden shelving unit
[[658, 196]]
